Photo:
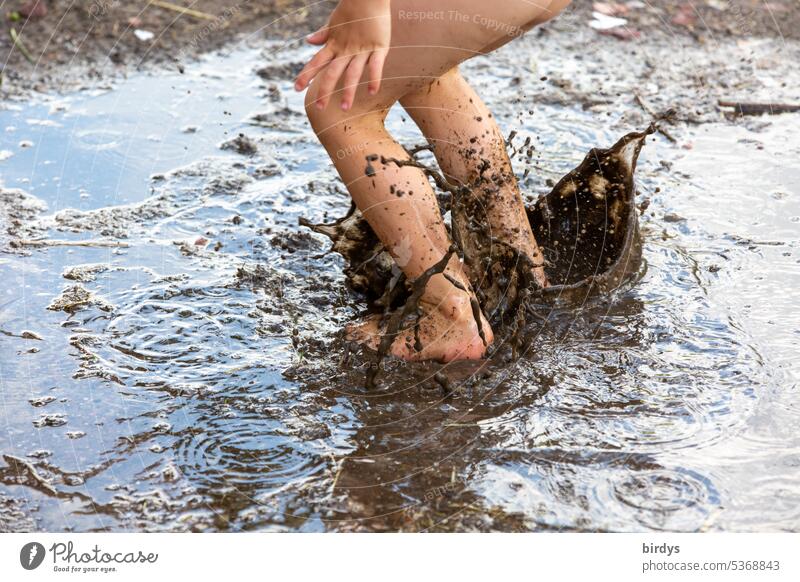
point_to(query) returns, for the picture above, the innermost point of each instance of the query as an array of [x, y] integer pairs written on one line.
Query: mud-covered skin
[[587, 227], [497, 267]]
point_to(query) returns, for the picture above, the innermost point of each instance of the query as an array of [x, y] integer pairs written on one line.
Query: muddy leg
[[465, 138], [402, 209], [398, 202]]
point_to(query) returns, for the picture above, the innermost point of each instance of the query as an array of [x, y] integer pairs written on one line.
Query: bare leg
[[402, 209], [399, 202], [464, 134]]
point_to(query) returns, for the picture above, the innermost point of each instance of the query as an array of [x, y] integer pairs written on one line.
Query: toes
[[365, 332], [403, 347]]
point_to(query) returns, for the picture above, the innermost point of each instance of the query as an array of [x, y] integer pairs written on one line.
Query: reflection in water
[[200, 382]]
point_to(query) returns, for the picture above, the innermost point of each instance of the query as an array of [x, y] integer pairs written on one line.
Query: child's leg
[[464, 134], [406, 218], [402, 209]]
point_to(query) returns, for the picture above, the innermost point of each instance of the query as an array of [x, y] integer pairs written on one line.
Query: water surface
[[202, 384]]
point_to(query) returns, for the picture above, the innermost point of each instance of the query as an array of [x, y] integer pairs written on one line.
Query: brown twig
[[69, 243], [647, 109], [182, 10], [741, 108]]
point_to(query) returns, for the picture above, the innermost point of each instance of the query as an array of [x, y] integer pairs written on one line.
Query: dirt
[[17, 211], [75, 44], [76, 297]]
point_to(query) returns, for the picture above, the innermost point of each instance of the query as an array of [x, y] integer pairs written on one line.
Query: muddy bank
[[85, 43], [89, 43]]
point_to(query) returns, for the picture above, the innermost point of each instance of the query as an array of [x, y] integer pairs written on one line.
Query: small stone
[[33, 9], [50, 420], [171, 473], [672, 217], [41, 401], [73, 480]]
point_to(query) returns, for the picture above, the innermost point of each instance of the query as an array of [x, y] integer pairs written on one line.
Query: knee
[[333, 126], [433, 91], [322, 120]]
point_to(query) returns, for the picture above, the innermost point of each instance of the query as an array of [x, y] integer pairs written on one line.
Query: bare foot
[[447, 332]]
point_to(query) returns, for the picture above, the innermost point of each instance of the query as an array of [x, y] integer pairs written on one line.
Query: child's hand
[[356, 37]]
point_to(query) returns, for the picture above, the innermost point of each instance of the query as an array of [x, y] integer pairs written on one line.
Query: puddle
[[190, 376]]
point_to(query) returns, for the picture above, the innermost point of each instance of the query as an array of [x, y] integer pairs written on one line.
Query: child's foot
[[447, 332]]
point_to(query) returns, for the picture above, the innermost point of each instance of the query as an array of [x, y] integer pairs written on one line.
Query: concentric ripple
[[251, 454], [677, 500]]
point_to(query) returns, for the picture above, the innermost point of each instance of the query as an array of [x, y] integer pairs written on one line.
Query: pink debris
[[33, 9], [686, 16], [622, 33], [610, 8]]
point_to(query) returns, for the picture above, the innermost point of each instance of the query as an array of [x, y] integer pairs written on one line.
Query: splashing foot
[[446, 331]]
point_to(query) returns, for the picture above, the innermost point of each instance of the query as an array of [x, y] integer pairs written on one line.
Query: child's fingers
[[319, 37], [376, 61], [314, 66], [351, 79], [327, 81]]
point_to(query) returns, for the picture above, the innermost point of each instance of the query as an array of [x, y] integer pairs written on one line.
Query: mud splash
[[587, 226]]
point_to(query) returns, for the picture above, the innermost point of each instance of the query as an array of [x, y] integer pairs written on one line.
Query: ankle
[[455, 306]]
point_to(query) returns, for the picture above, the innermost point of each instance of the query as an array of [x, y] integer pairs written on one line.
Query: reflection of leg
[[465, 136], [402, 209]]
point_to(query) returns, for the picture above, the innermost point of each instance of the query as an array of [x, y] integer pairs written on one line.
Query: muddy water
[[191, 376]]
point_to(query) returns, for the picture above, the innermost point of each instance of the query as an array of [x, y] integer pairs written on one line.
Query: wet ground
[[48, 45], [62, 44], [171, 356]]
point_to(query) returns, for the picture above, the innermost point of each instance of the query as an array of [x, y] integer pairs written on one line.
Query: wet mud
[[171, 356]]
